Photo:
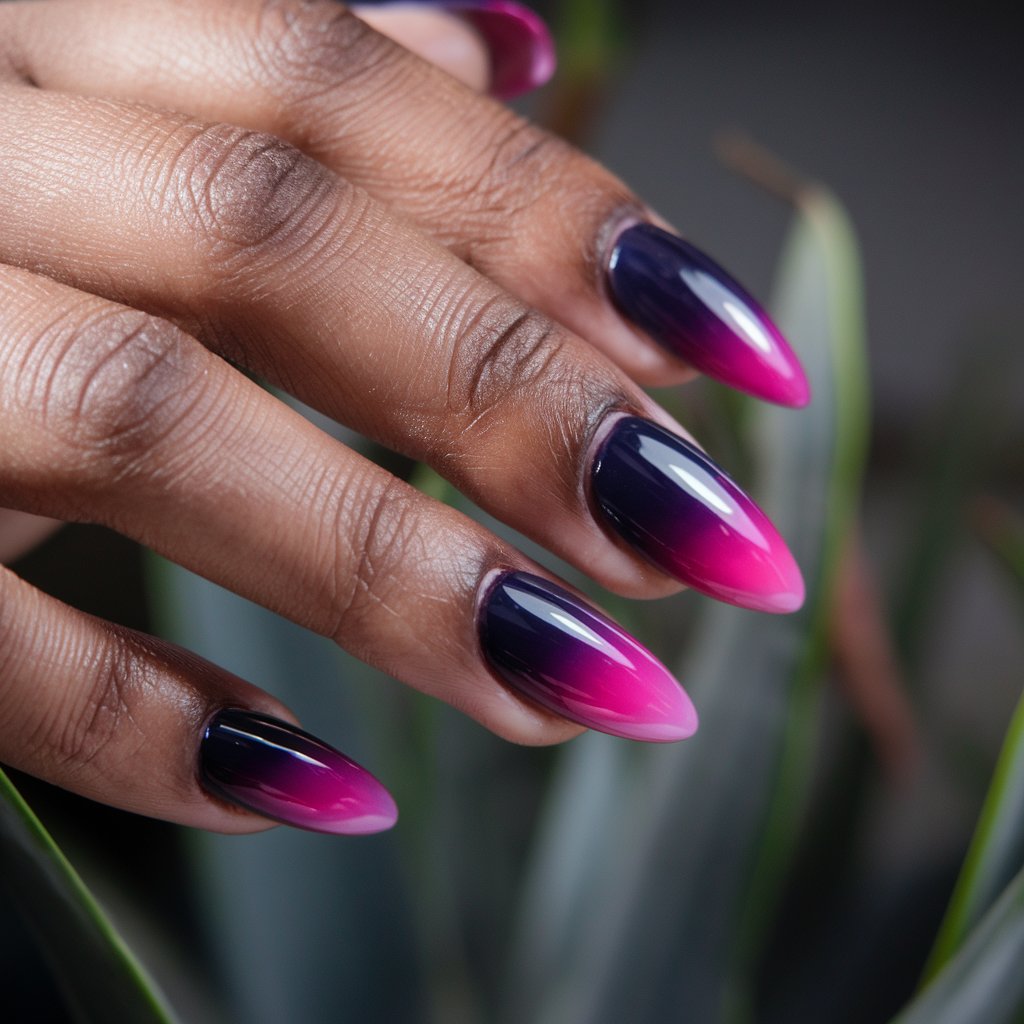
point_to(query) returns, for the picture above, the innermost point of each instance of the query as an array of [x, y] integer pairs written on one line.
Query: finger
[[130, 721], [532, 213], [302, 278], [117, 417]]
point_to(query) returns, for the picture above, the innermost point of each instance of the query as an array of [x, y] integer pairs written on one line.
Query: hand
[[187, 187]]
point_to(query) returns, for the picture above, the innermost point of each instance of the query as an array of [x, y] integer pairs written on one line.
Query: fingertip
[[438, 36]]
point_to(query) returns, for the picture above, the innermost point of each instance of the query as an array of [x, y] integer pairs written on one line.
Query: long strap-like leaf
[[996, 853], [984, 982], [99, 976]]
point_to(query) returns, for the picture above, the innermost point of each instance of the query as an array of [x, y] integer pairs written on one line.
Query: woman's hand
[[187, 187]]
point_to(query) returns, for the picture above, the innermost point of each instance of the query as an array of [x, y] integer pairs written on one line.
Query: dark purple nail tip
[[692, 307], [676, 506], [574, 661], [281, 772], [520, 44]]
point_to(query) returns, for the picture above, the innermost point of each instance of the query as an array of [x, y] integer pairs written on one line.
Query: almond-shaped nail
[[278, 771], [677, 507], [690, 305], [569, 658]]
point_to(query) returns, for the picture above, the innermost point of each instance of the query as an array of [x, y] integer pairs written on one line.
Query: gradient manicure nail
[[280, 772], [574, 661], [521, 48], [691, 306], [519, 43], [676, 506]]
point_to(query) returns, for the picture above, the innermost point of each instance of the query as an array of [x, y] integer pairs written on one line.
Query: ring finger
[[287, 269]]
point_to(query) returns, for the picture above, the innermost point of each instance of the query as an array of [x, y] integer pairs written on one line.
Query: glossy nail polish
[[281, 772], [520, 45], [571, 659], [692, 307], [676, 506]]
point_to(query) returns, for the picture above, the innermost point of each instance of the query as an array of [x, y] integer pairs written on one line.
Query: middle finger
[[546, 222]]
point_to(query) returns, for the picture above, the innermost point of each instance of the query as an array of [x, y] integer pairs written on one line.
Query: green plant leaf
[[688, 843], [984, 982], [589, 38], [996, 853], [98, 975]]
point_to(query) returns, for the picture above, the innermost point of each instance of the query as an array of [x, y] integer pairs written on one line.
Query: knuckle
[[310, 47], [377, 541], [502, 351], [512, 364], [88, 721], [244, 191], [114, 390], [522, 163]]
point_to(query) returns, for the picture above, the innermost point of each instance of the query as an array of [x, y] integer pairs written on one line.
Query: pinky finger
[[136, 723]]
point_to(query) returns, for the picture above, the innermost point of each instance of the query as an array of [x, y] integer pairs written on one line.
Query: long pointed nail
[[676, 506], [692, 307], [571, 659], [281, 772]]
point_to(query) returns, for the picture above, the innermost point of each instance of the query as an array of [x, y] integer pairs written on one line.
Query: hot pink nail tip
[[689, 304], [278, 771], [681, 510], [576, 662], [522, 50]]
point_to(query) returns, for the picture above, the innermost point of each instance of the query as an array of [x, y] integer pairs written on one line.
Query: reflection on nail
[[691, 306], [676, 506], [281, 772], [518, 42], [571, 659]]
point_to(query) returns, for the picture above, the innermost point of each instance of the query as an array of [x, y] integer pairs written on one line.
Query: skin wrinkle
[[400, 135], [128, 389], [480, 487], [315, 42], [58, 719], [14, 643], [104, 711], [391, 537], [295, 271]]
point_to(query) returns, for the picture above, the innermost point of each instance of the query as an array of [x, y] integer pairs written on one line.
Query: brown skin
[[277, 184]]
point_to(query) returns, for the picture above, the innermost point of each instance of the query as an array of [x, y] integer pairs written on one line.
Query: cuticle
[[624, 217], [604, 425], [489, 582], [206, 722]]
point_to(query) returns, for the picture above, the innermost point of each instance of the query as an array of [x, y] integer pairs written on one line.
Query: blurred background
[[912, 119]]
